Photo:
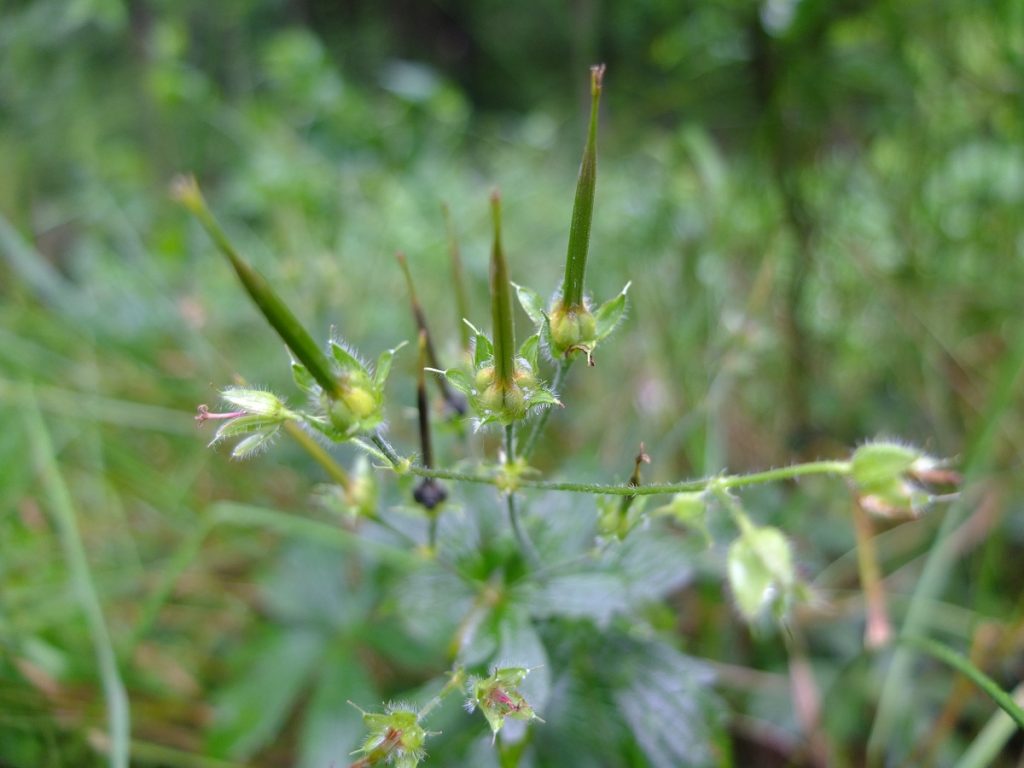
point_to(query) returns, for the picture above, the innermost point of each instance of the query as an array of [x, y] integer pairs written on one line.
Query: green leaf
[[457, 378], [304, 380], [348, 362], [254, 444], [483, 350], [666, 699], [542, 396], [610, 314], [531, 304], [251, 711], [383, 367], [528, 350], [654, 563], [598, 596], [330, 725]]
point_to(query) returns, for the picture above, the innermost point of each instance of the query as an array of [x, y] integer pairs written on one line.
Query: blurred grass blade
[[990, 741], [892, 710], [962, 664], [277, 313], [456, 401], [62, 510], [328, 535], [45, 281], [583, 205], [458, 278], [502, 329]]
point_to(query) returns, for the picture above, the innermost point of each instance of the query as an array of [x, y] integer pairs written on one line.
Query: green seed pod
[[484, 378], [572, 328], [761, 572], [358, 406]]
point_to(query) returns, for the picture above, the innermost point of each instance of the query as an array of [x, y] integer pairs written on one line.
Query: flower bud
[[484, 377], [498, 697], [396, 738], [259, 417], [503, 387], [571, 328], [761, 572], [891, 477], [358, 406]]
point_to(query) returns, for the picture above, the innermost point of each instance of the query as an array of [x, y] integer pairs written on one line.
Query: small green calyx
[[566, 329], [504, 386], [492, 398], [689, 509], [355, 403], [396, 738], [498, 697], [358, 406], [894, 480], [573, 329], [761, 573], [509, 474]]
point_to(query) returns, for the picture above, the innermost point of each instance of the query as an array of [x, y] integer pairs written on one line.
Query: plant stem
[[389, 453], [877, 630], [455, 683], [725, 482], [525, 545], [538, 426], [316, 451]]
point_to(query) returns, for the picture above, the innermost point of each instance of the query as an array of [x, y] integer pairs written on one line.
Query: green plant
[[506, 587]]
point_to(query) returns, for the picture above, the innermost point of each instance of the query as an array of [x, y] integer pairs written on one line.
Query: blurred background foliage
[[819, 204]]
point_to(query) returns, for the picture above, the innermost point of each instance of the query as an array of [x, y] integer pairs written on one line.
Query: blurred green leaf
[[251, 710]]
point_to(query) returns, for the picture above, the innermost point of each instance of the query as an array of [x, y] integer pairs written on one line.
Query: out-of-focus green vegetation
[[819, 205]]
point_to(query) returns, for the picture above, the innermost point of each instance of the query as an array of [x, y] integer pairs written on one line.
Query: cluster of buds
[[355, 404], [892, 479], [504, 386], [498, 697], [395, 738]]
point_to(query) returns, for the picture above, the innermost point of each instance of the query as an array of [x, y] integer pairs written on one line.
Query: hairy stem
[[839, 468], [389, 453], [538, 426], [525, 545], [316, 451]]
